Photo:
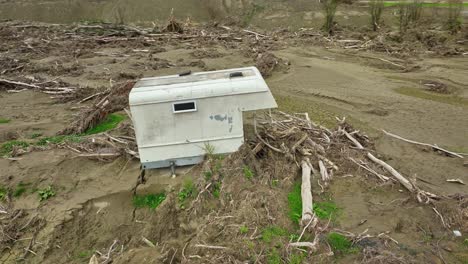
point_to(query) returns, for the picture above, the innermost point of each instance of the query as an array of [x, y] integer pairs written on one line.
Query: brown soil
[[93, 206]]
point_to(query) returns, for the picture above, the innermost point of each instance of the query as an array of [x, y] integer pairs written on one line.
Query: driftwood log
[[306, 194]]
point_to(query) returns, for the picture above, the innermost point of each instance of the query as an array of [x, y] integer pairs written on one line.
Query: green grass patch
[[85, 255], [20, 189], [272, 232], [273, 256], [323, 210], [188, 191], [295, 203], [149, 200], [441, 98], [109, 123], [3, 193], [297, 258], [36, 135], [248, 173], [326, 210], [7, 147], [4, 120], [341, 244], [46, 193], [444, 4], [216, 189], [58, 139], [243, 230]]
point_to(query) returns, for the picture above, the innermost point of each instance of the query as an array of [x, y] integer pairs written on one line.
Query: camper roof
[[156, 82], [198, 85]]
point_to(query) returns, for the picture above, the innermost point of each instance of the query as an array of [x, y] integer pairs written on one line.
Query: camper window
[[184, 107]]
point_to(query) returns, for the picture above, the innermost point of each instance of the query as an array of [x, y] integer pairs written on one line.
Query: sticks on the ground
[[450, 153], [380, 176]]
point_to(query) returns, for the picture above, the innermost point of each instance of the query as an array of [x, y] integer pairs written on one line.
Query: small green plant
[[46, 193], [341, 244], [248, 173], [3, 193], [7, 147], [36, 135], [376, 9], [274, 183], [208, 175], [187, 192], [149, 200], [4, 120], [209, 150], [86, 254], [109, 123], [295, 203], [58, 139], [273, 256], [272, 232], [243, 230], [20, 189], [216, 189], [329, 8]]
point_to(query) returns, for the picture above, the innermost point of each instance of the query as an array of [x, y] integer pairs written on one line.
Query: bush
[[329, 7], [454, 19], [376, 9], [409, 13]]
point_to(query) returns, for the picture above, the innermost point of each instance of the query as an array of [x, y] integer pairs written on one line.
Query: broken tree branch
[[423, 144]]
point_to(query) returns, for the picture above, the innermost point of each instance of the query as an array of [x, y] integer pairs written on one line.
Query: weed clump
[[272, 232], [150, 200], [341, 244], [20, 189], [4, 120], [187, 192], [248, 173], [7, 147], [46, 193]]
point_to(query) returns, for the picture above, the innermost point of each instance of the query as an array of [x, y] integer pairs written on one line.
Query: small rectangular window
[[184, 107]]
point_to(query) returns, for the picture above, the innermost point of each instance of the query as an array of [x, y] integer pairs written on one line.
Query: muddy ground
[[92, 208]]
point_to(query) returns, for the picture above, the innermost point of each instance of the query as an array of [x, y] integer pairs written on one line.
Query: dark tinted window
[[179, 107]]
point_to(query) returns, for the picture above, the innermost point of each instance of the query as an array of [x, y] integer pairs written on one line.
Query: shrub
[[454, 19], [329, 7], [376, 9]]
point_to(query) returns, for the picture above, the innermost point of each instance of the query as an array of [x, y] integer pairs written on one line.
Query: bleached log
[[306, 193], [355, 142], [20, 84], [423, 144], [319, 148], [323, 171], [380, 176], [405, 182]]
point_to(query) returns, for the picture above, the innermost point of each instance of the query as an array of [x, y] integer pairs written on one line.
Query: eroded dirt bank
[[92, 208]]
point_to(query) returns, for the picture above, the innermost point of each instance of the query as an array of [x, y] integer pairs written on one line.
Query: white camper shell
[[176, 117]]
